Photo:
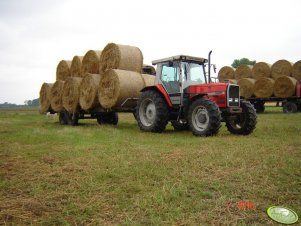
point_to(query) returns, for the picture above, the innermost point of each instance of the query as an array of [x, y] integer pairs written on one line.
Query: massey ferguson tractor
[[184, 95]]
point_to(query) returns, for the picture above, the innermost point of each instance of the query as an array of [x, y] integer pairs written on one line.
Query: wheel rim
[[147, 112], [200, 118]]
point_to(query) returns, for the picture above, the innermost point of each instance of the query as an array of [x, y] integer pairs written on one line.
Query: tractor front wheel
[[152, 112], [242, 123], [204, 117]]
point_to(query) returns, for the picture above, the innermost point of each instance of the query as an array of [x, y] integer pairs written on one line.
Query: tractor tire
[[259, 107], [152, 112], [63, 117], [290, 107], [204, 117], [180, 125], [108, 118], [73, 118], [242, 123]]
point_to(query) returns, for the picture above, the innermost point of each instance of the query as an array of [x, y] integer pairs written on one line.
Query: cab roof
[[180, 58]]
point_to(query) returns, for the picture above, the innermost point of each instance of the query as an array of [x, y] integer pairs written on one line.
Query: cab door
[[171, 81]]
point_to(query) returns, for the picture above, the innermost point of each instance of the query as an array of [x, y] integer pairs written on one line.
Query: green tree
[[237, 62]]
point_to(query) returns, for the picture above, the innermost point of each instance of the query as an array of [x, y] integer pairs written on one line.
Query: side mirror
[[214, 68]]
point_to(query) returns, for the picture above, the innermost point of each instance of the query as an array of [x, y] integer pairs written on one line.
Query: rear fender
[[159, 88]]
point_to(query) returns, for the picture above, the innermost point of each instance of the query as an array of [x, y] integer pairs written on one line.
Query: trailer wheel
[[290, 107], [180, 125], [73, 118], [204, 117], [63, 117], [107, 118], [242, 123], [152, 112], [259, 106]]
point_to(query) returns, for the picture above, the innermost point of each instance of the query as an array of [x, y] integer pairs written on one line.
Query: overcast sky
[[36, 34]]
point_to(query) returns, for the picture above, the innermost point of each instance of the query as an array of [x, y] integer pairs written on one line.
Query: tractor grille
[[233, 96]]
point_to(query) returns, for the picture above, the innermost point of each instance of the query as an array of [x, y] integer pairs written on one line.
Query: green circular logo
[[282, 215]]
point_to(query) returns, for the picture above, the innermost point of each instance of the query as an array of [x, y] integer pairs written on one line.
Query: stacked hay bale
[[264, 80], [99, 78]]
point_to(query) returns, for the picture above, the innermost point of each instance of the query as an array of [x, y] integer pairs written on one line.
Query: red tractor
[[184, 95]]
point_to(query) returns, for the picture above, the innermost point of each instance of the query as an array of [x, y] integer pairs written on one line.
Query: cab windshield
[[193, 74]]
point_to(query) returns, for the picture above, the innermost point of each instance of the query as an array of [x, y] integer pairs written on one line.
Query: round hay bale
[[285, 86], [264, 87], [70, 96], [226, 72], [243, 71], [231, 81], [56, 96], [115, 56], [148, 69], [261, 70], [76, 66], [246, 87], [117, 85], [88, 97], [297, 70], [90, 62], [281, 68], [45, 97], [149, 80], [63, 70]]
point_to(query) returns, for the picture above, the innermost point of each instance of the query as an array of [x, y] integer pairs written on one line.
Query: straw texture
[[285, 86], [118, 85], [243, 71], [281, 68], [297, 70], [226, 72], [56, 96], [63, 70], [71, 94], [90, 62], [148, 69], [45, 97], [246, 87], [76, 66], [264, 87], [88, 98], [124, 57], [261, 70], [148, 80]]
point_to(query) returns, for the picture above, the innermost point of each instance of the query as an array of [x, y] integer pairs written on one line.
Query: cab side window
[[170, 78]]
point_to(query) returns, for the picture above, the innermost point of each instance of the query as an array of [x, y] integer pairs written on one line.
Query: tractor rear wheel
[[108, 118], [152, 112], [242, 123], [204, 117]]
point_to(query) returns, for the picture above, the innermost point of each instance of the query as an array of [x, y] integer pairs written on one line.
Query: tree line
[[27, 103]]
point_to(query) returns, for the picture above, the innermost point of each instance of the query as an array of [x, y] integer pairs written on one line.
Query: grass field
[[105, 175]]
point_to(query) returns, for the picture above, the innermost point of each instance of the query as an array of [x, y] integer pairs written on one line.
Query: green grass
[[106, 175]]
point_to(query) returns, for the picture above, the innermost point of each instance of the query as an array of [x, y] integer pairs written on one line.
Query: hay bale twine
[[243, 71], [148, 69], [261, 70], [88, 97], [124, 57], [281, 68], [70, 96], [63, 70], [45, 97], [297, 70], [264, 87], [56, 96], [90, 62], [149, 80], [285, 86], [76, 66], [246, 87], [117, 85], [226, 72]]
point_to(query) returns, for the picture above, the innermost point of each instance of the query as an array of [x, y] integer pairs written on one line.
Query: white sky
[[36, 34]]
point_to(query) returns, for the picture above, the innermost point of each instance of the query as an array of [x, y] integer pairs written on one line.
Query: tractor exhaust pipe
[[209, 66]]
